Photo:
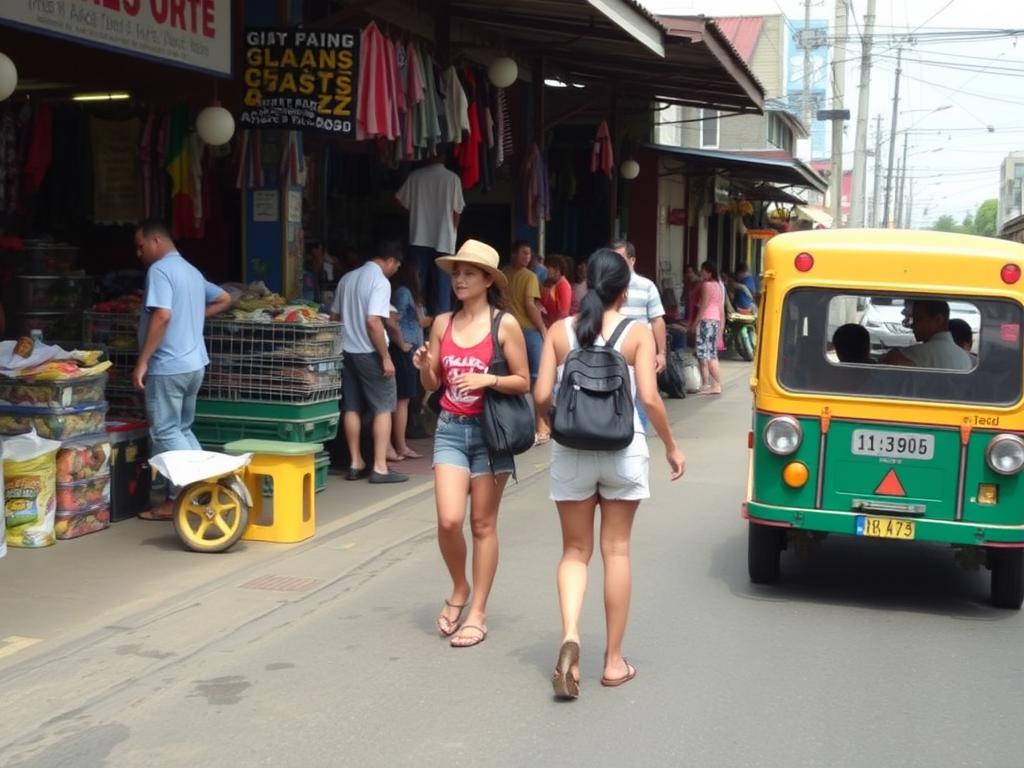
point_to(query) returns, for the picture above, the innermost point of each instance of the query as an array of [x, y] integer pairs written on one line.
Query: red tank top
[[456, 360]]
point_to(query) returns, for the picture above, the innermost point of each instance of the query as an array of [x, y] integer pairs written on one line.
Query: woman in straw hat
[[457, 357]]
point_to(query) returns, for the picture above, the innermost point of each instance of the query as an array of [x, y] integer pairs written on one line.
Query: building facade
[[1011, 181]]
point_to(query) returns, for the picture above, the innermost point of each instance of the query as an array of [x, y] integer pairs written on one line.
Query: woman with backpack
[[456, 358], [600, 454]]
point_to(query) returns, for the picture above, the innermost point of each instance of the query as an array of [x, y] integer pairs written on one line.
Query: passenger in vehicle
[[962, 334], [930, 323], [852, 343]]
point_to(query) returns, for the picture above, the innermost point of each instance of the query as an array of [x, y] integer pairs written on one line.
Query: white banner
[[195, 34]]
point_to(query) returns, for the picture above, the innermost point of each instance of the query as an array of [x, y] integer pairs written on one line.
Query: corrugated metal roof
[[743, 32]]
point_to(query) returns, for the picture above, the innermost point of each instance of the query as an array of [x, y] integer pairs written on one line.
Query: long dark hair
[[408, 276], [607, 277], [711, 269]]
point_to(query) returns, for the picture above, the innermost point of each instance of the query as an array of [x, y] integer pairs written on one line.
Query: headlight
[[782, 435], [1005, 454]]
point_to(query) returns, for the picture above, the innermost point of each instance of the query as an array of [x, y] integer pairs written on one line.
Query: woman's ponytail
[[608, 276], [588, 321]]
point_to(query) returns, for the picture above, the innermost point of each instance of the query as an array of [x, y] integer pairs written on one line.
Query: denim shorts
[[459, 442], [614, 475]]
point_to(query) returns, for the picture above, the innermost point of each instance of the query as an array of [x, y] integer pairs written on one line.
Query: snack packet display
[[30, 490]]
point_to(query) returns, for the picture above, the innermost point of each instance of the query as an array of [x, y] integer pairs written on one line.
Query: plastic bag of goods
[[3, 539], [30, 490]]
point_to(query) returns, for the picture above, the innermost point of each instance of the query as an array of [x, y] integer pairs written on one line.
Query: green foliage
[[981, 222]]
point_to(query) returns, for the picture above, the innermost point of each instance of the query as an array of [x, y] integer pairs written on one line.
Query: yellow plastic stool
[[291, 467]]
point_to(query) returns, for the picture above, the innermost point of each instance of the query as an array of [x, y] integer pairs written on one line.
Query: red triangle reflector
[[890, 485]]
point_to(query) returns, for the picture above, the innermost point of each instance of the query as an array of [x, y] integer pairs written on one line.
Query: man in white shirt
[[433, 196], [363, 304], [930, 321], [643, 301]]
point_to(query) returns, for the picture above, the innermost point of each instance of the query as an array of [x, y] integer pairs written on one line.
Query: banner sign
[[299, 78], [194, 34]]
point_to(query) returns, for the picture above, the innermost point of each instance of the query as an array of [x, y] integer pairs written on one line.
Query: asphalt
[[324, 654]]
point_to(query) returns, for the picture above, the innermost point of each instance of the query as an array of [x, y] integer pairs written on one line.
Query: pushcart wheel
[[209, 517]]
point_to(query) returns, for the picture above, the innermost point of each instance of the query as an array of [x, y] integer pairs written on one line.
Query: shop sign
[[677, 217], [194, 34], [298, 78]]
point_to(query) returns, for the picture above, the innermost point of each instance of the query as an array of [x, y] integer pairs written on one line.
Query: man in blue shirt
[[744, 300], [172, 354]]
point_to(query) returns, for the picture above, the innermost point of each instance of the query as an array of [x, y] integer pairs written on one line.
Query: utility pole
[[902, 183], [838, 89], [910, 207], [805, 39], [892, 138], [860, 160], [878, 166]]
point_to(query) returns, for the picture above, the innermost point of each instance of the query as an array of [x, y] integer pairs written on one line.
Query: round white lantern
[[215, 126], [502, 72], [8, 76], [629, 169]]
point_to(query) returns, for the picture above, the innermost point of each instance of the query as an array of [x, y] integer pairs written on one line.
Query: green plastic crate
[[323, 466], [263, 411], [220, 430]]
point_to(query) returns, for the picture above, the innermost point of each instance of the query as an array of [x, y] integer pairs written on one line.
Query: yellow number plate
[[885, 527]]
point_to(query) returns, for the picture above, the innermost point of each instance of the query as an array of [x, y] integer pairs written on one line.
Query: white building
[[1011, 179]]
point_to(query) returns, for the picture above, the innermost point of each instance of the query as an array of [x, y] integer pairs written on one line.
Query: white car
[[884, 316]]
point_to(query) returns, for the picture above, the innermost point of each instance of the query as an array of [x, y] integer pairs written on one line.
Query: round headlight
[[1005, 454], [782, 435]]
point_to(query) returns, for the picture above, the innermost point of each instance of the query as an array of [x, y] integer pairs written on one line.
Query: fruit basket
[[84, 494], [83, 458], [71, 525], [53, 423], [53, 394]]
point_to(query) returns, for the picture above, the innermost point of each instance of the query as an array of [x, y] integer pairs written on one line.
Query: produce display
[[53, 423], [53, 394], [84, 494], [71, 525], [83, 459], [29, 491]]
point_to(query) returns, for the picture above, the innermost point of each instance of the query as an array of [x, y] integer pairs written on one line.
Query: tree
[[985, 218], [968, 226], [946, 223]]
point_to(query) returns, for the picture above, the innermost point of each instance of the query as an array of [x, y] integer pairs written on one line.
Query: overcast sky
[[953, 171]]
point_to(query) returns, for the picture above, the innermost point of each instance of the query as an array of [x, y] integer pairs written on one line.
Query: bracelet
[[495, 384]]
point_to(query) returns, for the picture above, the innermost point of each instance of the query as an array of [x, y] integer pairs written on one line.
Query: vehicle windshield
[[966, 350]]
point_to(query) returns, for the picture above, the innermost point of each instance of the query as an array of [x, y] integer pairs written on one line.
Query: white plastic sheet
[[183, 468]]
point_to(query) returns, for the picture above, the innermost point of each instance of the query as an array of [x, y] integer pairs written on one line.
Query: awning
[[746, 166], [603, 45], [817, 215], [768, 193]]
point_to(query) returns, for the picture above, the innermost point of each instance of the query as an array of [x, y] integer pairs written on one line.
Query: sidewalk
[[104, 579]]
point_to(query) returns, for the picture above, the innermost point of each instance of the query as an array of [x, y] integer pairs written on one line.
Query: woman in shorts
[[456, 358], [581, 480], [710, 321]]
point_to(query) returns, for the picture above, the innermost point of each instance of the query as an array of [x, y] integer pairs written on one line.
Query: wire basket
[[256, 343], [272, 379]]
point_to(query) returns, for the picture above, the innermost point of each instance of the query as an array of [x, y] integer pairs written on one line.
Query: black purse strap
[[497, 353]]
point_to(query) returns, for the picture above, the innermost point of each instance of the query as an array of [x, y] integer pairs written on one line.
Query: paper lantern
[[502, 72], [215, 125], [8, 76], [629, 169]]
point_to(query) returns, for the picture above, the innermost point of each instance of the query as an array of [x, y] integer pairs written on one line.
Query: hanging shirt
[[431, 194], [602, 158], [40, 151], [373, 112], [456, 105]]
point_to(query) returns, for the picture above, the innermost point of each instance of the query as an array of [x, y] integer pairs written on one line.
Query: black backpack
[[594, 407]]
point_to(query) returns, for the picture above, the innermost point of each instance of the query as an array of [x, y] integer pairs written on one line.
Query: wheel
[[1007, 577], [745, 343], [209, 517], [764, 548]]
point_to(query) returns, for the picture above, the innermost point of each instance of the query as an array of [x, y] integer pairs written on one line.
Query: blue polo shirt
[[172, 283]]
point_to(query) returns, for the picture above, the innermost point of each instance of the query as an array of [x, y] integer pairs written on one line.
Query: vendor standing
[[172, 354]]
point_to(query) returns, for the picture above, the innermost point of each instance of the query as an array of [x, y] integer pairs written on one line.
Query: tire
[[745, 343], [206, 508], [1007, 577], [764, 549]]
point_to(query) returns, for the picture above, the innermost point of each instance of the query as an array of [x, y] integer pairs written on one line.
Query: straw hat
[[478, 254]]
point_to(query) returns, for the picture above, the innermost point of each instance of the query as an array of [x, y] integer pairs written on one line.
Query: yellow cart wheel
[[210, 517]]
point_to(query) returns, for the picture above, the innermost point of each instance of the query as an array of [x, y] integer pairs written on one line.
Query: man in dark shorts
[[363, 303]]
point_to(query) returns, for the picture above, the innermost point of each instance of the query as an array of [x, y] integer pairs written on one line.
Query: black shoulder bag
[[508, 420]]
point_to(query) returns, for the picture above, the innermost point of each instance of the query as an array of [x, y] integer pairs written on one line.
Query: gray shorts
[[614, 475], [364, 387]]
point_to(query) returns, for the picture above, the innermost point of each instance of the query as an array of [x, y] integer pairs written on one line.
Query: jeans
[[534, 347], [436, 284], [171, 409]]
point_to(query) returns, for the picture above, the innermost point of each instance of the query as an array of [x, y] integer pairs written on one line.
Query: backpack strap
[[619, 330]]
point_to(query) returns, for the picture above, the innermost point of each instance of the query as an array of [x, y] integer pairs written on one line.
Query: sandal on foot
[[615, 682], [540, 438], [409, 453], [453, 623], [565, 685], [471, 640]]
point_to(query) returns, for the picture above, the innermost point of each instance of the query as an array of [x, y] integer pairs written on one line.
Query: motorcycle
[[741, 334]]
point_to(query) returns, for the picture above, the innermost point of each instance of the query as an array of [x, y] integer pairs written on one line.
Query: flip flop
[[151, 515], [453, 622], [565, 685], [473, 640], [540, 439], [609, 682], [411, 454]]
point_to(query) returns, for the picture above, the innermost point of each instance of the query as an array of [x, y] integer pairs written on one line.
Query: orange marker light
[[795, 474]]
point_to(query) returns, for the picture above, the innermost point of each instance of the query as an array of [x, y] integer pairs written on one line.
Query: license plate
[[892, 445], [885, 527]]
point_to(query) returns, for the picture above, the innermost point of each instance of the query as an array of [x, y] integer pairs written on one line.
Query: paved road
[[879, 654]]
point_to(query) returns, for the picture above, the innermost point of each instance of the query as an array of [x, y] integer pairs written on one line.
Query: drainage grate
[[282, 583]]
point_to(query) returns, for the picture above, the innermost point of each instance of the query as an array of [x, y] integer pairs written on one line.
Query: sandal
[[615, 682], [452, 623], [409, 453], [566, 686], [540, 438], [472, 640]]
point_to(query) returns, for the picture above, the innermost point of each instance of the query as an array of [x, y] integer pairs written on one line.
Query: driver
[[930, 323]]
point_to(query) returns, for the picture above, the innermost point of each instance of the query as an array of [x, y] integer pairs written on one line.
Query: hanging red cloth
[[374, 109], [40, 150], [467, 152], [602, 158]]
